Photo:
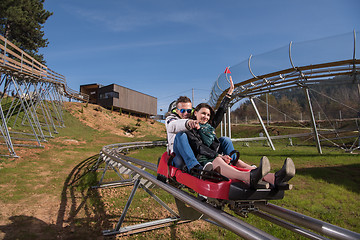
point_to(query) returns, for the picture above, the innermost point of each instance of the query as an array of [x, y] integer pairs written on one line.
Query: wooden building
[[117, 97]]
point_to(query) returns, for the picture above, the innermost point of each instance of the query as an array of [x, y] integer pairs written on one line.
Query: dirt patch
[[43, 196], [67, 141], [106, 120]]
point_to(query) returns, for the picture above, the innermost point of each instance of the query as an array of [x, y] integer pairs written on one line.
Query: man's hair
[[183, 99]]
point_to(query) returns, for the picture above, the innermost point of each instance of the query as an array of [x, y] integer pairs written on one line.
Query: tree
[[21, 22]]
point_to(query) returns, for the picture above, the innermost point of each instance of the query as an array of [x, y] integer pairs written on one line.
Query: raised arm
[[231, 89], [219, 115]]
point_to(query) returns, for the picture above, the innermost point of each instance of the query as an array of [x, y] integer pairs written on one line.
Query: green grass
[[326, 187]]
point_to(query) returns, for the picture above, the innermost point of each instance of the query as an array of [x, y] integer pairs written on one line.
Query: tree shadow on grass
[[28, 227], [81, 213], [347, 176], [81, 208]]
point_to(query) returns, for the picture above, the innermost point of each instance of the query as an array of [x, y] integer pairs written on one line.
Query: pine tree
[[21, 22]]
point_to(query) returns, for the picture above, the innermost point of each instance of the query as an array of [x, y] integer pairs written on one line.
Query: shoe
[[286, 173], [206, 170], [208, 166], [196, 170], [257, 174]]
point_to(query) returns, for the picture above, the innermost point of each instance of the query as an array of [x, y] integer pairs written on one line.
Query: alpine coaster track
[[114, 157]]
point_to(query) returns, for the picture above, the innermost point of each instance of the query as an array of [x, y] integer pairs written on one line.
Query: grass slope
[[47, 194], [326, 186]]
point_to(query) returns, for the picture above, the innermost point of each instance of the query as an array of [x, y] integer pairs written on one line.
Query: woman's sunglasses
[[185, 110]]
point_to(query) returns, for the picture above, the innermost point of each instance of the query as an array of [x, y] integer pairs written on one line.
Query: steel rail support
[[239, 227], [27, 114], [283, 217], [144, 226], [18, 103], [307, 95], [101, 184], [131, 197], [55, 107], [41, 97], [229, 121], [32, 110], [6, 135], [262, 123], [58, 104], [43, 92], [313, 122], [4, 126], [225, 125], [13, 108], [221, 129], [38, 101], [354, 64]]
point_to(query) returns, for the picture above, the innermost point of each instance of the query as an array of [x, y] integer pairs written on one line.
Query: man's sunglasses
[[185, 110]]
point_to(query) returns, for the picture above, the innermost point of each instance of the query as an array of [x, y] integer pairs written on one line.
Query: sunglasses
[[185, 110]]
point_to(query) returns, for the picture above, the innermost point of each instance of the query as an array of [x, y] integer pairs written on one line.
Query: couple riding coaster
[[219, 190], [212, 184]]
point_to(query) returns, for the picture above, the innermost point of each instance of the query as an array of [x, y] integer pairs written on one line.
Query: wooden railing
[[13, 59]]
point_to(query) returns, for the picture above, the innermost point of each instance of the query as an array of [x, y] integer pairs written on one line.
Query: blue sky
[[165, 48]]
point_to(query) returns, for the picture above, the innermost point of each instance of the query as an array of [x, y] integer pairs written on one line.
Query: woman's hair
[[205, 105]]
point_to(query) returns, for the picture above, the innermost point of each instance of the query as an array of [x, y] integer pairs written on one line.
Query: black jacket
[[198, 147]]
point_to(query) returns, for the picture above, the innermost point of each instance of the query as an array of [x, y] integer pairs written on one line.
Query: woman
[[206, 149]]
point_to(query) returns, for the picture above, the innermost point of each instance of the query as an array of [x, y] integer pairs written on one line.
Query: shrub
[[129, 128]]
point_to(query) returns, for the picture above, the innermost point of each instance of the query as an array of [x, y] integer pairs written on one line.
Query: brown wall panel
[[129, 100]]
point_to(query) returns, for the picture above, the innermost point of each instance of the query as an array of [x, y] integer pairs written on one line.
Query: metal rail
[[113, 152], [23, 66], [31, 97], [284, 74], [309, 222], [114, 155]]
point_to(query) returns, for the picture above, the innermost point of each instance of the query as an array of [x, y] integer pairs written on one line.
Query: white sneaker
[[208, 166]]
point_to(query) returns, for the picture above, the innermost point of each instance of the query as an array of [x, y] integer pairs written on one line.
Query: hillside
[[39, 188], [328, 102], [47, 193], [105, 120]]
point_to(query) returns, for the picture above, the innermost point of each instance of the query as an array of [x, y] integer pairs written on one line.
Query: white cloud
[[131, 18], [83, 51]]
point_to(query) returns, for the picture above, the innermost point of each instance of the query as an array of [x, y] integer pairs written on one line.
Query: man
[[176, 123]]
